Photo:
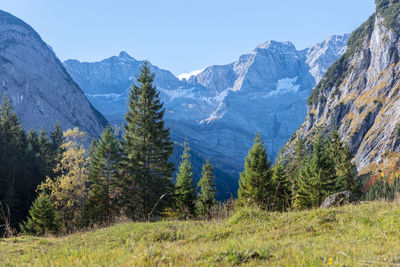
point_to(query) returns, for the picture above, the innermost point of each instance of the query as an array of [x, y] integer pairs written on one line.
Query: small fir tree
[[42, 218], [255, 185], [185, 191], [282, 189], [317, 178], [345, 170], [206, 199]]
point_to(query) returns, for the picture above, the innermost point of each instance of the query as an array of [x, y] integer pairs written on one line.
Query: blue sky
[[180, 35]]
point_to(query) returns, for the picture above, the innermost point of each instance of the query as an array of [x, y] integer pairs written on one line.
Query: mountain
[[359, 95], [220, 108], [40, 88]]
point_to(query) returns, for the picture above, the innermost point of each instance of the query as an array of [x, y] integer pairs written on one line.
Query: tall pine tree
[[255, 185], [185, 192], [206, 199], [146, 148]]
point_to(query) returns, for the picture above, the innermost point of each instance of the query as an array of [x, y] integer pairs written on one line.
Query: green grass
[[368, 234]]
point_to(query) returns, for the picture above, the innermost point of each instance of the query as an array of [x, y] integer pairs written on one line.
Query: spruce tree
[[45, 155], [56, 138], [206, 199], [282, 188], [104, 177], [297, 161], [317, 178], [33, 163], [345, 170], [42, 218], [255, 185], [185, 192], [146, 148]]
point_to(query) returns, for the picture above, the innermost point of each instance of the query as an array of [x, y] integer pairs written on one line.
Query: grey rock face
[[363, 100], [220, 109], [41, 89], [321, 56], [340, 199]]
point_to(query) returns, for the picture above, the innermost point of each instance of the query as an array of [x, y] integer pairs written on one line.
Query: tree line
[[314, 172], [55, 185]]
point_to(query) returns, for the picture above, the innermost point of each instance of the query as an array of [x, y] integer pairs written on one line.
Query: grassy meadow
[[363, 235]]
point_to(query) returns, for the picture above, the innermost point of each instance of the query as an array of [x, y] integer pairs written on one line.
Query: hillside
[[359, 94], [352, 235], [41, 89]]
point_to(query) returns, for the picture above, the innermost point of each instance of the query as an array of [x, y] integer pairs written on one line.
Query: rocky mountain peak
[[39, 86], [125, 55], [277, 46]]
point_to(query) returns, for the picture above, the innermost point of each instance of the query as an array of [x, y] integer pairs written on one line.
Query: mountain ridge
[[38, 84]]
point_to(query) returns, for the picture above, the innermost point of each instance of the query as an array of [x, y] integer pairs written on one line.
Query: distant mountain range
[[40, 88], [220, 108]]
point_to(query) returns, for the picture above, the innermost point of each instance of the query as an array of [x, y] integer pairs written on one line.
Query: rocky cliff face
[[321, 56], [221, 108], [359, 95], [41, 89]]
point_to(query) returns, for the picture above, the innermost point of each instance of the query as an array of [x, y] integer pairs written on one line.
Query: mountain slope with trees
[[359, 94]]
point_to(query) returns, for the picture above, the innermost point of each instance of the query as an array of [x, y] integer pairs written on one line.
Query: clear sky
[[184, 35]]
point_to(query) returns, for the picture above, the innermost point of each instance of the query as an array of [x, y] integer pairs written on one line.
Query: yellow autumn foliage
[[68, 191]]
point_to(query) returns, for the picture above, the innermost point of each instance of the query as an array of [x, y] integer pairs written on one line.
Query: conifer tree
[[282, 189], [56, 138], [33, 164], [317, 178], [255, 185], [185, 192], [46, 156], [14, 180], [206, 199], [146, 148], [55, 146], [104, 176], [345, 170], [42, 218], [300, 154]]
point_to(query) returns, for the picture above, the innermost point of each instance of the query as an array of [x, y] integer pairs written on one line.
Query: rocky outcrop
[[359, 95], [340, 199], [40, 88]]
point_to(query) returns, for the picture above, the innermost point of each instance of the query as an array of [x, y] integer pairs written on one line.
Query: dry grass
[[364, 235]]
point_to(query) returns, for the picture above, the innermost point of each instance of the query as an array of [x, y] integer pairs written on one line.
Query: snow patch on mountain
[[285, 86], [189, 74]]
